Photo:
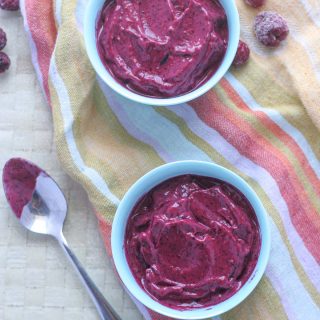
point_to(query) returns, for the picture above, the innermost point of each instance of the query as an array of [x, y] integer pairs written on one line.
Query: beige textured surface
[[36, 281]]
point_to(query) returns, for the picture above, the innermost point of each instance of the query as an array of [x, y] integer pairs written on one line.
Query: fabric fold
[[262, 121]]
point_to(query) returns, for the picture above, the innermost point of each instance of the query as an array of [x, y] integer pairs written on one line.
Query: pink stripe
[[39, 18], [34, 53]]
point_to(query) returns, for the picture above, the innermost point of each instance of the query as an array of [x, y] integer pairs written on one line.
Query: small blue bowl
[[149, 181], [92, 13]]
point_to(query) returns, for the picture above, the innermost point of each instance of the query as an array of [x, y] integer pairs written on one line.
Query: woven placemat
[[36, 281]]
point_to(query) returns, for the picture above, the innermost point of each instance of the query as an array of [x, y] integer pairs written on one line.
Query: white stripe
[[284, 280], [125, 121], [313, 13], [80, 12], [58, 9], [277, 118], [68, 122], [33, 48]]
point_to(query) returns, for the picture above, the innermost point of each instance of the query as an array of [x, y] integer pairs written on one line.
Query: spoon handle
[[104, 309]]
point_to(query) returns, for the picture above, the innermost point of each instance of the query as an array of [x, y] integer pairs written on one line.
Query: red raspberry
[[4, 62], [242, 55], [3, 39], [270, 28], [255, 3], [11, 5]]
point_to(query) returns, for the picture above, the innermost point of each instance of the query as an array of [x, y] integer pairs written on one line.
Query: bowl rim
[[93, 9], [147, 182]]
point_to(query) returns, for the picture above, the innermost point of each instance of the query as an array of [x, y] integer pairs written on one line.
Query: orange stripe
[[255, 147], [105, 230], [40, 19], [277, 131]]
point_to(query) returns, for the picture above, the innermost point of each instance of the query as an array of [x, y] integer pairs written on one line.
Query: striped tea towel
[[261, 121]]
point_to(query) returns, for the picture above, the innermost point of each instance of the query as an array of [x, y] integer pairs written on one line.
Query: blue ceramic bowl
[[152, 179], [92, 13]]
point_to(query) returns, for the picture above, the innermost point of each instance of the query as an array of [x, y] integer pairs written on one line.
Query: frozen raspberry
[[255, 3], [4, 62], [270, 28], [3, 39], [242, 55], [10, 5]]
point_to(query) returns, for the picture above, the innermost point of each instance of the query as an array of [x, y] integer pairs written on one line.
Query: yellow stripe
[[263, 303]]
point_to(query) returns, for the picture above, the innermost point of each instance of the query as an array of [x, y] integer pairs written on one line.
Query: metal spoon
[[45, 213]]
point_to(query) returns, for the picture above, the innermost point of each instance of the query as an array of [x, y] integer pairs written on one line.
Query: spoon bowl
[[47, 210]]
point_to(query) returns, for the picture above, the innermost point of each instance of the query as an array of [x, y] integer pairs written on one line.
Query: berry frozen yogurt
[[162, 48], [192, 241]]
